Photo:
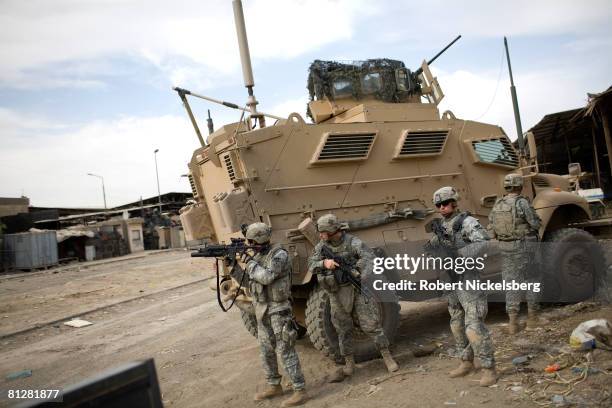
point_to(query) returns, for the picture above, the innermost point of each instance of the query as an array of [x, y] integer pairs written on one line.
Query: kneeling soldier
[[346, 300], [269, 274]]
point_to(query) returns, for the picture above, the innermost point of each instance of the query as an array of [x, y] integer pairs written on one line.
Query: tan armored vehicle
[[375, 152]]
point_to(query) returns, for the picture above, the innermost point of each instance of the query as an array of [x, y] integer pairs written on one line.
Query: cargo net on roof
[[323, 74]]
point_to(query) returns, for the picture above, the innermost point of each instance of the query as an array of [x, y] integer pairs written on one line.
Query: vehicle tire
[[250, 322], [574, 265], [324, 337]]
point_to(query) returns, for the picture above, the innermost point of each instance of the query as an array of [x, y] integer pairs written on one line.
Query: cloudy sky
[[85, 85]]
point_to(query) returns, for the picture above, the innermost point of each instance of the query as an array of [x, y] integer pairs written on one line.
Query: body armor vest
[[506, 223], [280, 289]]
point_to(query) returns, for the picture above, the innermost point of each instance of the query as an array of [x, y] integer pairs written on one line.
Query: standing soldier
[[346, 301], [515, 224], [457, 232], [270, 285]]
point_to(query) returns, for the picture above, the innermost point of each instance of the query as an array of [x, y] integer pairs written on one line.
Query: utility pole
[[157, 176], [103, 190]]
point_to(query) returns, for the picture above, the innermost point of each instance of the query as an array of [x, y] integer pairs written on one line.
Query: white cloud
[[38, 34], [472, 95], [482, 18], [49, 161], [283, 109]]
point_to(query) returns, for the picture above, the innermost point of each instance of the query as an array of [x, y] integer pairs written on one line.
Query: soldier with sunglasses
[[468, 308]]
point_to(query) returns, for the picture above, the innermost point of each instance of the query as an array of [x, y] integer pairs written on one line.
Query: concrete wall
[[13, 206]]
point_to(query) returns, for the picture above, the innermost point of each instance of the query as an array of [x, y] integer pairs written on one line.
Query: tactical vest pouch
[[279, 290], [258, 292], [289, 334], [328, 282], [503, 222]]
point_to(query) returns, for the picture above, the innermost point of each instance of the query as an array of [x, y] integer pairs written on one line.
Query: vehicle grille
[[345, 146], [230, 167], [194, 190], [423, 142]]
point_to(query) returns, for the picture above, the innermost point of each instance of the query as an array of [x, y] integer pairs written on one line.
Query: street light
[[157, 175], [103, 191]]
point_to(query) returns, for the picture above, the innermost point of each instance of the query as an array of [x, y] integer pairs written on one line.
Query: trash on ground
[[78, 323], [596, 333], [19, 374], [552, 368], [520, 360], [558, 400]]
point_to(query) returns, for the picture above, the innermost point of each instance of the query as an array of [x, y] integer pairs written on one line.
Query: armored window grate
[[230, 167], [347, 147], [496, 151], [540, 182], [423, 142], [194, 190]]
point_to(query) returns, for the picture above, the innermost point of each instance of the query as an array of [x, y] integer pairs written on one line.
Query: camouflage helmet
[[513, 180], [445, 194], [258, 232], [328, 223]]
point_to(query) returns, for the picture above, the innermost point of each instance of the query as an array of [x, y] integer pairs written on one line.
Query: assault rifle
[[445, 246], [231, 254], [344, 272], [237, 247]]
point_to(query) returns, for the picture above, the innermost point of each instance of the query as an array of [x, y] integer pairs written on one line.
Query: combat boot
[[349, 366], [513, 325], [270, 391], [534, 320], [389, 361], [298, 398], [336, 376], [489, 377], [464, 369]]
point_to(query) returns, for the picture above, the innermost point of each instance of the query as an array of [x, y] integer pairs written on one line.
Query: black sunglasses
[[444, 203]]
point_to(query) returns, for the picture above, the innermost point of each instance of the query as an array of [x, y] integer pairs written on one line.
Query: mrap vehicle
[[375, 150]]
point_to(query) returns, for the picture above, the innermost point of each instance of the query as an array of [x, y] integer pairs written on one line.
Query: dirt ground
[[160, 305]]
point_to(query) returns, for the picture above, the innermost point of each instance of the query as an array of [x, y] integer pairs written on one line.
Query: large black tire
[[250, 322], [574, 265], [324, 337]]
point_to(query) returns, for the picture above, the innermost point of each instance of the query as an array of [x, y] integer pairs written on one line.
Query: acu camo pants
[[269, 335], [363, 311], [468, 309]]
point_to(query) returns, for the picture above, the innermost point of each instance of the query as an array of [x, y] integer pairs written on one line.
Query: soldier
[[270, 285], [459, 232], [346, 301], [515, 224]]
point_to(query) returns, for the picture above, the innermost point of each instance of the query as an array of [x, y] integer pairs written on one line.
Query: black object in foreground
[[133, 385]]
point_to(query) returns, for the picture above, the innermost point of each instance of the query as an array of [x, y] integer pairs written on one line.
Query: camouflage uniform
[[515, 224], [346, 302], [468, 308], [270, 285]]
